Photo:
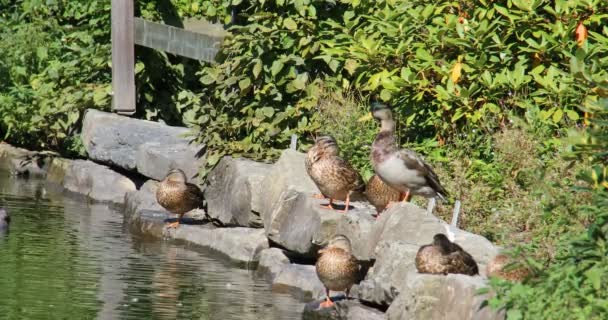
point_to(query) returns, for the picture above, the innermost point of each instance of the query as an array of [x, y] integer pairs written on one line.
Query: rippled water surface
[[66, 259]]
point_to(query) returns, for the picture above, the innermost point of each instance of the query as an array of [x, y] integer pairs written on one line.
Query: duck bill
[[366, 118], [321, 251]]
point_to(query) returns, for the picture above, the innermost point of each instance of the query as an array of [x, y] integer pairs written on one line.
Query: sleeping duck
[[402, 169], [504, 267], [444, 256], [336, 267], [334, 176], [177, 196], [380, 195]]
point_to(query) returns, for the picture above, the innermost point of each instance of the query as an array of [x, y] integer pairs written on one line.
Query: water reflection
[[66, 259]]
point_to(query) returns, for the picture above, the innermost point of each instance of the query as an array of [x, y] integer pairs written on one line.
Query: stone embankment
[[262, 217]]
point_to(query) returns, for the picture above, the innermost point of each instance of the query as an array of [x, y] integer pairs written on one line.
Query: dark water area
[[64, 258]]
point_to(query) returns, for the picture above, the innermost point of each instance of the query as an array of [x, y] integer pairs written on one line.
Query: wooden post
[[123, 57]]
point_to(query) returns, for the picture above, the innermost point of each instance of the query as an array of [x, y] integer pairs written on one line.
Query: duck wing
[[462, 262], [416, 162], [350, 174], [194, 194]]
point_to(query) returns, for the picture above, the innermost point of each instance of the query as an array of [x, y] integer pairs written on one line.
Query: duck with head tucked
[[402, 169], [444, 256], [334, 176], [336, 267], [177, 196]]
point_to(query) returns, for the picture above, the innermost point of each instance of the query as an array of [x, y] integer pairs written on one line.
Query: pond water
[[64, 258]]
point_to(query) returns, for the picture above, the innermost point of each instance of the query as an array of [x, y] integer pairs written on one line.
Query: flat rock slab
[[440, 297], [155, 159], [342, 310], [233, 192], [271, 262], [300, 280], [115, 139], [93, 180], [24, 162], [359, 227]]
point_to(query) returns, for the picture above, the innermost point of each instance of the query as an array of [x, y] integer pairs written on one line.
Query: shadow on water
[[67, 259]]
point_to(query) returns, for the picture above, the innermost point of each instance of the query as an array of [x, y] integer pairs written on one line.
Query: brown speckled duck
[[380, 194], [177, 196], [337, 268], [402, 169], [443, 257], [504, 267], [334, 176]]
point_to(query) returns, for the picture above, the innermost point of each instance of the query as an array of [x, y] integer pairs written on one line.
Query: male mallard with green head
[[504, 267], [381, 194], [402, 169], [334, 176], [177, 196], [444, 256], [336, 267]]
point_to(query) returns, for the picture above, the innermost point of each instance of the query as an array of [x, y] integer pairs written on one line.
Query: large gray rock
[[300, 280], [272, 261], [155, 159], [342, 310], [394, 261], [234, 192], [441, 297], [115, 140], [411, 224], [397, 236], [359, 227], [92, 180], [292, 218]]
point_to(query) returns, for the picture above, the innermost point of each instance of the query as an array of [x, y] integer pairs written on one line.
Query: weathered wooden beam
[[123, 57], [195, 45]]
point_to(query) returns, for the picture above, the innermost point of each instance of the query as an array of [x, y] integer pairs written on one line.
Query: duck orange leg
[[327, 303], [176, 223], [329, 205], [346, 203], [406, 196]]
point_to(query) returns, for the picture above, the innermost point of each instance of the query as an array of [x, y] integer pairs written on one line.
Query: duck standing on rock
[[334, 176], [380, 194], [402, 169], [444, 256], [336, 267], [177, 196]]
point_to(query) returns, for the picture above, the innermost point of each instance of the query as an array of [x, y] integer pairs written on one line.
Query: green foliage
[[445, 65], [574, 287], [54, 66]]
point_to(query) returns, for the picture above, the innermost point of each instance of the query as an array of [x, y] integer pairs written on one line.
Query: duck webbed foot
[[318, 196], [330, 205]]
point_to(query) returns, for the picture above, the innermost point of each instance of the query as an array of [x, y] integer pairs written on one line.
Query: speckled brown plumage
[[336, 267], [178, 196], [443, 257], [380, 194], [402, 169], [334, 176], [501, 266]]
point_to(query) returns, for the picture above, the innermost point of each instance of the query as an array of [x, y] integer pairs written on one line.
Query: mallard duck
[[381, 194], [501, 266], [336, 267], [5, 219], [443, 257], [402, 169], [177, 196], [334, 176]]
